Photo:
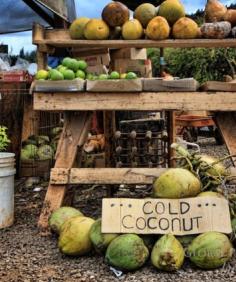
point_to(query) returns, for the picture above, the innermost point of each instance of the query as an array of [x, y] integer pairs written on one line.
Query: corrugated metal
[[17, 16]]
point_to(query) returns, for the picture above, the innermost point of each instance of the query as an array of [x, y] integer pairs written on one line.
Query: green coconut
[[185, 240], [60, 216], [176, 183], [45, 152], [31, 151], [149, 240], [210, 250], [42, 139], [168, 253], [233, 235], [100, 240], [127, 252], [210, 194], [74, 237], [217, 169]]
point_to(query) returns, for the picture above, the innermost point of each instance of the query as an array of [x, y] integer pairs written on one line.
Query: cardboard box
[[178, 85], [74, 85], [119, 85], [15, 76], [97, 69], [129, 53], [143, 68], [102, 59]]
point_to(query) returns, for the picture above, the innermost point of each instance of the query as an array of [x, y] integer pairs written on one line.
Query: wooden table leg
[[171, 137], [226, 123], [73, 137]]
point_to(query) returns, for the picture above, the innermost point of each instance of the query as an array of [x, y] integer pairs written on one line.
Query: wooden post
[[226, 123], [74, 135], [171, 137]]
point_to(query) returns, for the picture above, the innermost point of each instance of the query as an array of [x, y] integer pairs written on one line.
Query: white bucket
[[7, 172]]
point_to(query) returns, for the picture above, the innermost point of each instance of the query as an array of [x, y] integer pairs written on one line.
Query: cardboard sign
[[164, 216]]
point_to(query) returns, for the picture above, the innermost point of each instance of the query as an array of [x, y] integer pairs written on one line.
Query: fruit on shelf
[[115, 14], [114, 75], [42, 75], [230, 16], [214, 11], [158, 28], [171, 10], [76, 29], [68, 74], [96, 29], [216, 30], [131, 75], [132, 30], [185, 28], [144, 13], [80, 74]]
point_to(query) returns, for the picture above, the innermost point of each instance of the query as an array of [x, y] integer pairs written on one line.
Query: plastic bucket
[[7, 173]]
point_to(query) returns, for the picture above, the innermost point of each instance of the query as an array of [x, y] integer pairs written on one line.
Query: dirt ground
[[27, 256]]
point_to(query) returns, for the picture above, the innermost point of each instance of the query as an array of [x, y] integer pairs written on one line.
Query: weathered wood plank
[[58, 38], [74, 135], [226, 123], [109, 176], [183, 101], [104, 175]]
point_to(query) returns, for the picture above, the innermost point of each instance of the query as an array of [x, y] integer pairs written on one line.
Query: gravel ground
[[25, 255]]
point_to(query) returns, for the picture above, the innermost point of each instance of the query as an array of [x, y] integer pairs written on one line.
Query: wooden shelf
[[60, 38], [144, 101]]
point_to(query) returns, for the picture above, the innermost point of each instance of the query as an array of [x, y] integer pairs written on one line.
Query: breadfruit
[[158, 28]]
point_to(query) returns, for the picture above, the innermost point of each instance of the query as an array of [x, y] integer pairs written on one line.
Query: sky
[[90, 9]]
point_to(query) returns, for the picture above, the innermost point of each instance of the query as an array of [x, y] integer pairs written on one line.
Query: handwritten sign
[[163, 216]]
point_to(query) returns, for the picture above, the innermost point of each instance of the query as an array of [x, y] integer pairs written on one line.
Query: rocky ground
[[25, 255]]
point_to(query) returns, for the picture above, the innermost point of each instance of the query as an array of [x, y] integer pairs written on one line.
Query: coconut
[[167, 253], [74, 237], [210, 194], [210, 250], [100, 240], [45, 152], [218, 169], [31, 151], [60, 216], [176, 183], [127, 252]]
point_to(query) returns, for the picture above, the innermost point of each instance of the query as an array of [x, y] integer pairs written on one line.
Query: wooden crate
[[36, 168]]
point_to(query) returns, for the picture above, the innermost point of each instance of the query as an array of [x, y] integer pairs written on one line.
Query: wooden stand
[[79, 106]]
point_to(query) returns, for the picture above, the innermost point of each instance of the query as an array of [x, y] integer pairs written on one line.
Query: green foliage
[[4, 141], [201, 63]]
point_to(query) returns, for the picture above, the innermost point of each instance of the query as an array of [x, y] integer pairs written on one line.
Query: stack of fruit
[[69, 69], [157, 23], [128, 252], [40, 147]]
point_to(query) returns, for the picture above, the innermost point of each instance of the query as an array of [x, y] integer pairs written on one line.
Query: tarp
[[17, 16]]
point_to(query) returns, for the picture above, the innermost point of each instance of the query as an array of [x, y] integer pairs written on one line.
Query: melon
[[132, 30], [144, 13], [158, 28], [76, 29], [115, 14], [185, 28], [96, 29], [171, 10]]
